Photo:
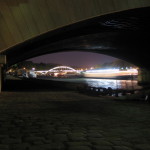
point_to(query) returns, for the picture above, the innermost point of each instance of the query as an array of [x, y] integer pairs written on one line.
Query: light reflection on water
[[105, 83], [114, 84]]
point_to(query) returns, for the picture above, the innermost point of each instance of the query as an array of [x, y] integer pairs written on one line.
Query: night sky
[[78, 59]]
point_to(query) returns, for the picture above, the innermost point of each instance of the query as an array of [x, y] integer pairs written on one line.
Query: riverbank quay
[[20, 84], [68, 120]]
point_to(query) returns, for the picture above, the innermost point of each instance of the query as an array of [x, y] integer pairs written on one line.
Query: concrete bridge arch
[[21, 20], [124, 35]]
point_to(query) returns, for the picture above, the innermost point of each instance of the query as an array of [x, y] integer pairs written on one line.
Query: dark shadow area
[[39, 85]]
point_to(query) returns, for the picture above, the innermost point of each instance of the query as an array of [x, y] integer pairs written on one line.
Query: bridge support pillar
[[144, 76], [2, 64]]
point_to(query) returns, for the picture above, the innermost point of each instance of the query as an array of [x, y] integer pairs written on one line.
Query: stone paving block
[[102, 147], [60, 137], [98, 128], [4, 147], [4, 136], [77, 134], [33, 130], [11, 141], [122, 143], [83, 143], [46, 132], [96, 131], [36, 147], [114, 139], [47, 141], [76, 128], [63, 128], [142, 147], [57, 146], [49, 136], [18, 122], [58, 123], [130, 135], [37, 142], [109, 134], [3, 130], [39, 134], [48, 127], [138, 141], [34, 139], [7, 126], [98, 141], [122, 148], [24, 131], [15, 135], [77, 137], [95, 135], [79, 148], [79, 131], [22, 146], [65, 131]]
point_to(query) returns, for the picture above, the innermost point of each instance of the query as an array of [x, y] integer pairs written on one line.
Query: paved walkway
[[71, 121]]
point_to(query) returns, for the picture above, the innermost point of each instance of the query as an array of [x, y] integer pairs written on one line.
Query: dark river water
[[104, 83]]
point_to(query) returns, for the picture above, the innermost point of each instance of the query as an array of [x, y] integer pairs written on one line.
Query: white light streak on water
[[105, 83], [114, 84]]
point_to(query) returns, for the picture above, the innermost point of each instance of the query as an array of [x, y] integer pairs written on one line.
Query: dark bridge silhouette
[[123, 35]]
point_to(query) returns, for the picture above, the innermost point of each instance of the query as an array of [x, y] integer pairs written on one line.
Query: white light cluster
[[102, 71], [111, 71]]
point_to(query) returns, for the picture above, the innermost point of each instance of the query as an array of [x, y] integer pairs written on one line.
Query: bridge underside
[[124, 35]]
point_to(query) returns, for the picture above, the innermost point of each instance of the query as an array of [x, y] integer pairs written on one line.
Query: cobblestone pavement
[[71, 121]]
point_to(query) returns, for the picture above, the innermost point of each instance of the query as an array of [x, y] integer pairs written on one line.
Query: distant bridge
[[58, 69], [62, 69]]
